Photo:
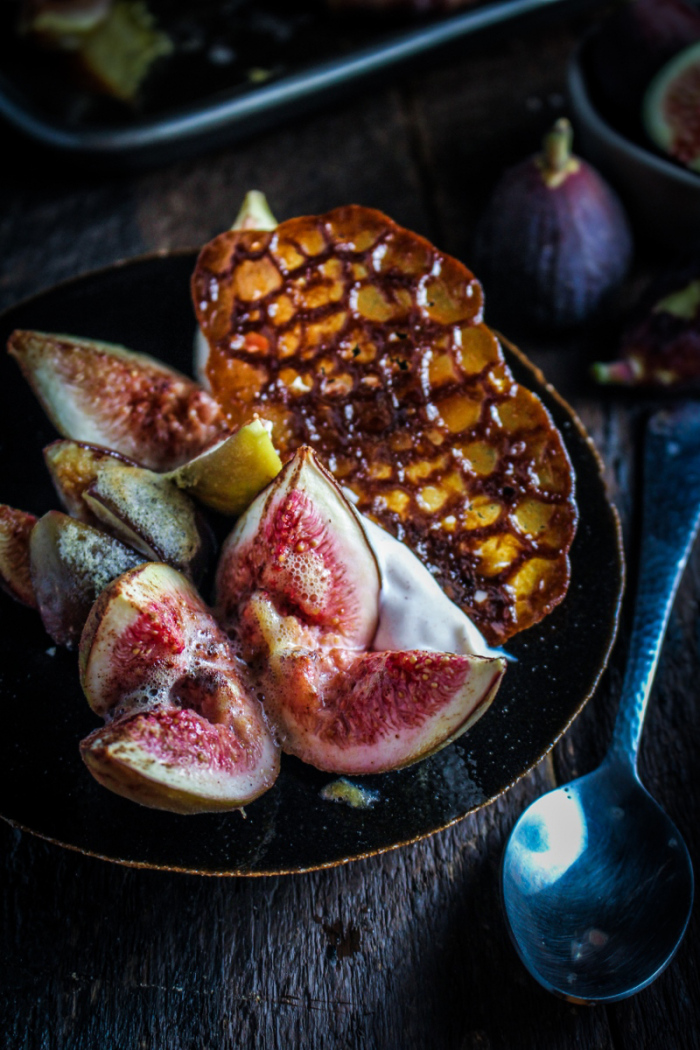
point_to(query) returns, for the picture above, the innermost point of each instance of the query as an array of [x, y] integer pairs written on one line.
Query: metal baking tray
[[238, 67]]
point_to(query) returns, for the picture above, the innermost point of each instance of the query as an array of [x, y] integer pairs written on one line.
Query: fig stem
[[557, 145]]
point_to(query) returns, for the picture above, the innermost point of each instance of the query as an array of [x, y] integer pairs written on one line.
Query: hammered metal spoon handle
[[671, 516]]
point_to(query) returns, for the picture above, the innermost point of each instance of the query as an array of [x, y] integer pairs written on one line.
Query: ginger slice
[[359, 338]]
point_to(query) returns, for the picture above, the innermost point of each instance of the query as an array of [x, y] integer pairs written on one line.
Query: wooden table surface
[[409, 949]]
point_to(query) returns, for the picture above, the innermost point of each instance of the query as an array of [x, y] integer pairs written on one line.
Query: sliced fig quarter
[[228, 476], [185, 732], [302, 544], [176, 760], [103, 394], [15, 575], [71, 563], [371, 713], [360, 338], [151, 514]]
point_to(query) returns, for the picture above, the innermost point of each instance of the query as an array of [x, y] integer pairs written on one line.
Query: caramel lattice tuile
[[361, 339]]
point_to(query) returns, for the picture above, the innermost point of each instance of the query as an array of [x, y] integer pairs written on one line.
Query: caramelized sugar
[[361, 339]]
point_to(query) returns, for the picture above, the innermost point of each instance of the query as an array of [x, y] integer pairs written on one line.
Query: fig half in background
[[631, 45], [184, 732], [71, 564], [15, 575], [661, 345], [672, 108], [554, 241], [103, 394]]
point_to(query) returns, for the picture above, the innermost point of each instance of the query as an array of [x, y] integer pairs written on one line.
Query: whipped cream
[[414, 611]]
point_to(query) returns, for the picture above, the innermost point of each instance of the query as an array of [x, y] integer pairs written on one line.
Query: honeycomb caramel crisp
[[361, 339]]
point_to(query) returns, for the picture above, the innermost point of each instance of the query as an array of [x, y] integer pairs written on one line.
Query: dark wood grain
[[406, 950]]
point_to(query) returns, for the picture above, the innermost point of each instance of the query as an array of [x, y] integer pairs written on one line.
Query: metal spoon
[[597, 881]]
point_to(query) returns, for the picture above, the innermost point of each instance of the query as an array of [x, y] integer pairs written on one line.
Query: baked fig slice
[[103, 394], [15, 575], [360, 338], [185, 733], [71, 563], [374, 712], [150, 514], [228, 476], [73, 466], [302, 544]]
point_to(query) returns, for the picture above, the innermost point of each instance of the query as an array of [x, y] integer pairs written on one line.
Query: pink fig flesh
[[301, 543], [71, 563], [672, 108], [374, 712], [15, 574], [185, 732], [103, 394]]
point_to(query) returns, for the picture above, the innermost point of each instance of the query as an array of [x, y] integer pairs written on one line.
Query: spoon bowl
[[597, 886]]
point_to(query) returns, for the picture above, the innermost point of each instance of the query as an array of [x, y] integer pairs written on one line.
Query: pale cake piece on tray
[[359, 338]]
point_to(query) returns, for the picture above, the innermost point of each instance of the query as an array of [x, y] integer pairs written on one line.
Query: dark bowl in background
[[662, 197]]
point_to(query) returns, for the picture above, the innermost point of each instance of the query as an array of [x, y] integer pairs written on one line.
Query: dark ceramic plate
[[44, 787]]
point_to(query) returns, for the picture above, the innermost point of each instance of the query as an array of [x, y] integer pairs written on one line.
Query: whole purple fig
[[554, 241]]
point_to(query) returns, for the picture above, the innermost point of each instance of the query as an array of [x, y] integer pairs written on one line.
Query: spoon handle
[[671, 515]]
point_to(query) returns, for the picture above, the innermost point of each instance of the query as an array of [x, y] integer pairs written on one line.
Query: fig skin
[[71, 563], [102, 394], [15, 573], [184, 731], [553, 243]]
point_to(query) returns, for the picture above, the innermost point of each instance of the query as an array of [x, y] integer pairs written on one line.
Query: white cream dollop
[[414, 611]]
